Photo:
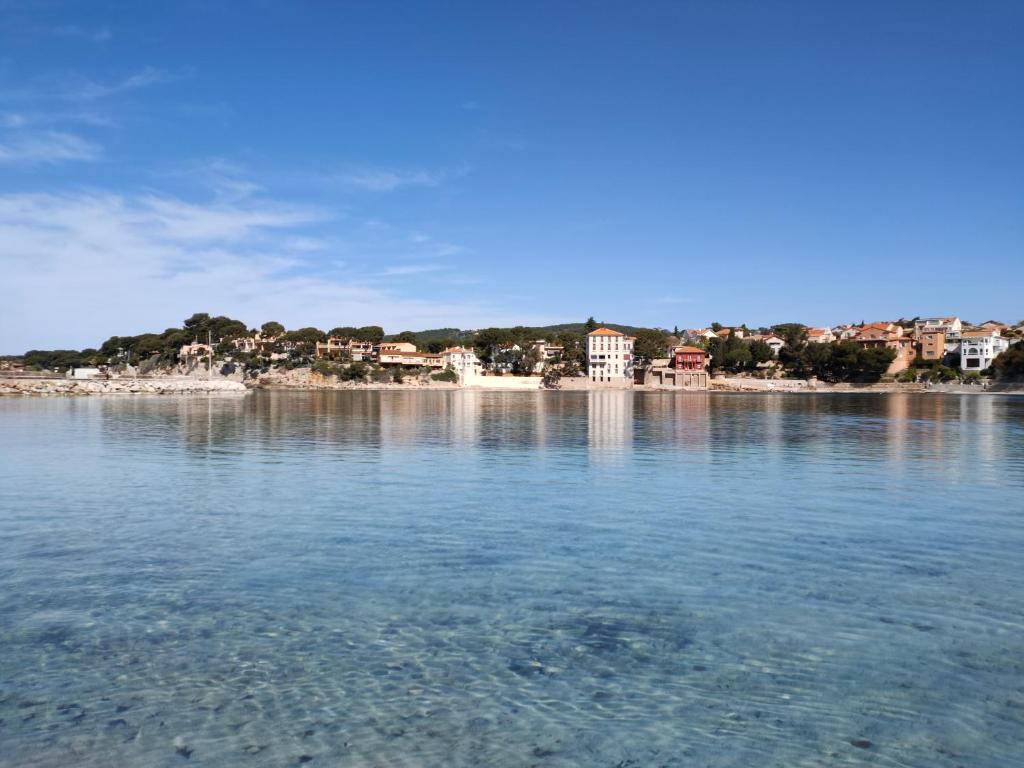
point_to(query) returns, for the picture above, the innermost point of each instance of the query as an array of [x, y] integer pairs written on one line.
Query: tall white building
[[979, 348], [609, 356], [464, 362]]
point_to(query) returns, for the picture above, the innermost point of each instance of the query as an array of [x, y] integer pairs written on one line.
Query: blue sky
[[467, 164]]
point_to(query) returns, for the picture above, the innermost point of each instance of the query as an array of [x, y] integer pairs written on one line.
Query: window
[[972, 362]]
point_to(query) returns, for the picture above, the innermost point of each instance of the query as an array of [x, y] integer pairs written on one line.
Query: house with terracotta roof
[[686, 369], [609, 356], [725, 333], [890, 336], [845, 332], [820, 336]]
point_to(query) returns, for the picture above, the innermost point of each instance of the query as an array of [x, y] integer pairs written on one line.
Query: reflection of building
[[979, 348], [609, 356], [609, 420]]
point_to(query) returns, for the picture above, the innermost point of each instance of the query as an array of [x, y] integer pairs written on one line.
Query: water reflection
[[506, 579]]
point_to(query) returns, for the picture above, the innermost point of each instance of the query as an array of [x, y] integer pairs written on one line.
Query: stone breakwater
[[159, 386]]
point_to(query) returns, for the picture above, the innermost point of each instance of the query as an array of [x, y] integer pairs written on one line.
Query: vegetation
[[448, 374], [650, 344], [1009, 365]]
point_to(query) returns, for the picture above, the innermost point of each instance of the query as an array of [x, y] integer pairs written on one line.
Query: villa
[[979, 348], [890, 336], [464, 362]]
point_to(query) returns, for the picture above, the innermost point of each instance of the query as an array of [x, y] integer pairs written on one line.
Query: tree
[[272, 328], [650, 344], [716, 327], [738, 358], [1009, 365], [760, 352], [487, 341], [371, 333], [397, 374], [551, 376], [406, 336], [531, 357], [590, 325], [794, 334]]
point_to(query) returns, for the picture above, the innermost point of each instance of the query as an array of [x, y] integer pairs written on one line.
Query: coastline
[[54, 387], [303, 381]]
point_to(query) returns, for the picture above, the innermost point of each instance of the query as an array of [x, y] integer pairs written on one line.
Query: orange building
[[933, 345]]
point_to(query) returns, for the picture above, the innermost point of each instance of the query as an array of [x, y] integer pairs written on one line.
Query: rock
[[861, 743]]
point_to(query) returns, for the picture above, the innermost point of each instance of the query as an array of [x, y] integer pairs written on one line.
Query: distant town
[[588, 355]]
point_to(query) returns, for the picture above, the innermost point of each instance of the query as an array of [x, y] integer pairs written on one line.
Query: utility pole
[[209, 343]]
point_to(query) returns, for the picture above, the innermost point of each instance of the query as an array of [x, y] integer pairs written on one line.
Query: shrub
[[448, 374], [354, 372], [325, 368]]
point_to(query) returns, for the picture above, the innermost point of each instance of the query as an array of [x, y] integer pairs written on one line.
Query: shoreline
[[57, 387]]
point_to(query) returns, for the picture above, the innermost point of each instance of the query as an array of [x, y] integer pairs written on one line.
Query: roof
[[979, 334], [818, 331], [605, 332], [457, 351], [690, 350]]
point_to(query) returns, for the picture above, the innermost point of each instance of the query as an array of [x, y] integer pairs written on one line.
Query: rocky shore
[[55, 387]]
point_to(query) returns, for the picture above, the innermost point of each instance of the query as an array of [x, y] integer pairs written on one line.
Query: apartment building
[[932, 345], [609, 356]]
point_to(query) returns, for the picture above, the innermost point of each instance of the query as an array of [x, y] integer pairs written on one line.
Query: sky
[[467, 164]]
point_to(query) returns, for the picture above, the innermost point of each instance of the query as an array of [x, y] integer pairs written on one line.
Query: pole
[[209, 343]]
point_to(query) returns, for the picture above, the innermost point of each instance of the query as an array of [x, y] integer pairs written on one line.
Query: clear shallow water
[[512, 579]]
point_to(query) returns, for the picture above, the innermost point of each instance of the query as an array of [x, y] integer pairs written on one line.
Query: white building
[[548, 353], [979, 348], [84, 373], [951, 326], [774, 342], [609, 356], [464, 362]]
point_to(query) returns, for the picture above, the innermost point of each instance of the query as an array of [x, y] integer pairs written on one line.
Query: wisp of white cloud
[[388, 179], [80, 267], [46, 147]]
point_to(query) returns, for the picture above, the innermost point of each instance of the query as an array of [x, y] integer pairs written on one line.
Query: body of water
[[512, 579]]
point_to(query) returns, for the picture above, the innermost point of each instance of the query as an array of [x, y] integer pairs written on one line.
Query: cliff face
[[125, 386]]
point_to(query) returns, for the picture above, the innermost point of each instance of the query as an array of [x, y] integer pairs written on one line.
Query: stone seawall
[[40, 387]]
